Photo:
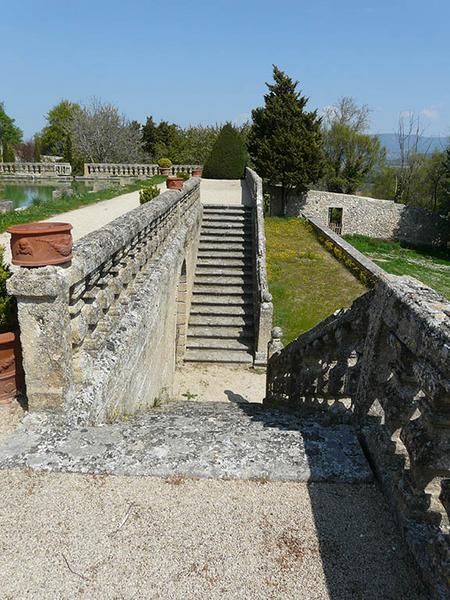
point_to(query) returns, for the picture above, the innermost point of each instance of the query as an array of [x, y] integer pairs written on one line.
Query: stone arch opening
[[182, 316]]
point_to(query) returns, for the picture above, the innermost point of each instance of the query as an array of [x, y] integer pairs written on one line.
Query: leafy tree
[[384, 183], [228, 156], [54, 135], [159, 140], [285, 141], [349, 157], [10, 135]]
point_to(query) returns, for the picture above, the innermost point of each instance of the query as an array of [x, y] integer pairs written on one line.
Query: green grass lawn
[[306, 281], [430, 266], [39, 211]]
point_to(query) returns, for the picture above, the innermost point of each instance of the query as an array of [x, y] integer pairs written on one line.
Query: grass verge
[[431, 266], [307, 283], [40, 211]]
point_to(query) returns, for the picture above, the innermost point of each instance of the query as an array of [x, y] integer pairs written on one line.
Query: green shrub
[[228, 156], [148, 194], [183, 175], [165, 163], [7, 303]]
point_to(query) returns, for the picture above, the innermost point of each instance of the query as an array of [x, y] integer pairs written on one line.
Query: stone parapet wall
[[99, 336], [262, 296], [356, 257], [384, 364], [368, 216]]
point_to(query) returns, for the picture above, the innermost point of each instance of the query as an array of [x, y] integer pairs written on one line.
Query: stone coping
[[355, 255], [256, 188]]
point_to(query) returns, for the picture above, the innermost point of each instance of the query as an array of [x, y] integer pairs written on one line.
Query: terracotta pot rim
[[40, 227], [7, 337], [175, 178]]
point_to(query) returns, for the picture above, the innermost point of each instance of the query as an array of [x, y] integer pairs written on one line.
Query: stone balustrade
[[262, 298], [105, 170], [44, 169], [384, 364], [98, 336], [140, 171]]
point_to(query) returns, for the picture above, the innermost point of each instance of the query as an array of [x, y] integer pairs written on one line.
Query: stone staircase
[[221, 327]]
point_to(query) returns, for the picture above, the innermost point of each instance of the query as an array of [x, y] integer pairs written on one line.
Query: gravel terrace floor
[[181, 537], [71, 536]]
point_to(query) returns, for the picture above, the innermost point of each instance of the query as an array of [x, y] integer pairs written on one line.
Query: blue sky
[[208, 61]]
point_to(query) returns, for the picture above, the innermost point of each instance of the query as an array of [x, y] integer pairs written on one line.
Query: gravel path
[[85, 537]]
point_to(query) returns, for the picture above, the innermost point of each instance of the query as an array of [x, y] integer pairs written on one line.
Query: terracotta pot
[[41, 244], [197, 172], [164, 171], [8, 350], [174, 183]]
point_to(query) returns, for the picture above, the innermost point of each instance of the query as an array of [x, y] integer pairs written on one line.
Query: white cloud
[[430, 112]]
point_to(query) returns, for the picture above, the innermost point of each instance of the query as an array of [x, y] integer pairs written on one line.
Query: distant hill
[[426, 144]]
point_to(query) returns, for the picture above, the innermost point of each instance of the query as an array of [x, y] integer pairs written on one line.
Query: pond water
[[25, 194]]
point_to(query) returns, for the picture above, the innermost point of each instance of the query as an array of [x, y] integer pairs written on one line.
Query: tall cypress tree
[[285, 140]]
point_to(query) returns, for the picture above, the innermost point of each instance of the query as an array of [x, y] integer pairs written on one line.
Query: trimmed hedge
[[228, 156]]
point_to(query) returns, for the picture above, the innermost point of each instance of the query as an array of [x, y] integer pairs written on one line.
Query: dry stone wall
[[368, 216]]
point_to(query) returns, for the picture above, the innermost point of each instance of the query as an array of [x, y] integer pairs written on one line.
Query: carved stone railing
[[97, 335], [47, 169], [263, 307], [105, 170], [385, 362]]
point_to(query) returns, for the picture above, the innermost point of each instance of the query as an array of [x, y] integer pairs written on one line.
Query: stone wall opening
[[335, 219]]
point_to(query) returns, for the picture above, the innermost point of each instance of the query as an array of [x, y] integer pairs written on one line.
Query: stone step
[[225, 262], [231, 246], [222, 310], [214, 331], [227, 208], [224, 271], [230, 290], [220, 233], [223, 280], [217, 239], [235, 300], [209, 343], [245, 255], [220, 224], [217, 355], [224, 243], [228, 320], [216, 440]]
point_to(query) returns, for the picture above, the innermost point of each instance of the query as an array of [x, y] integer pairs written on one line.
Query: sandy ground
[[78, 536], [89, 218], [224, 191], [219, 383]]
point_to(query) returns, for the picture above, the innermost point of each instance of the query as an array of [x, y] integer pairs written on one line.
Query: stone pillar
[[45, 332], [263, 332]]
